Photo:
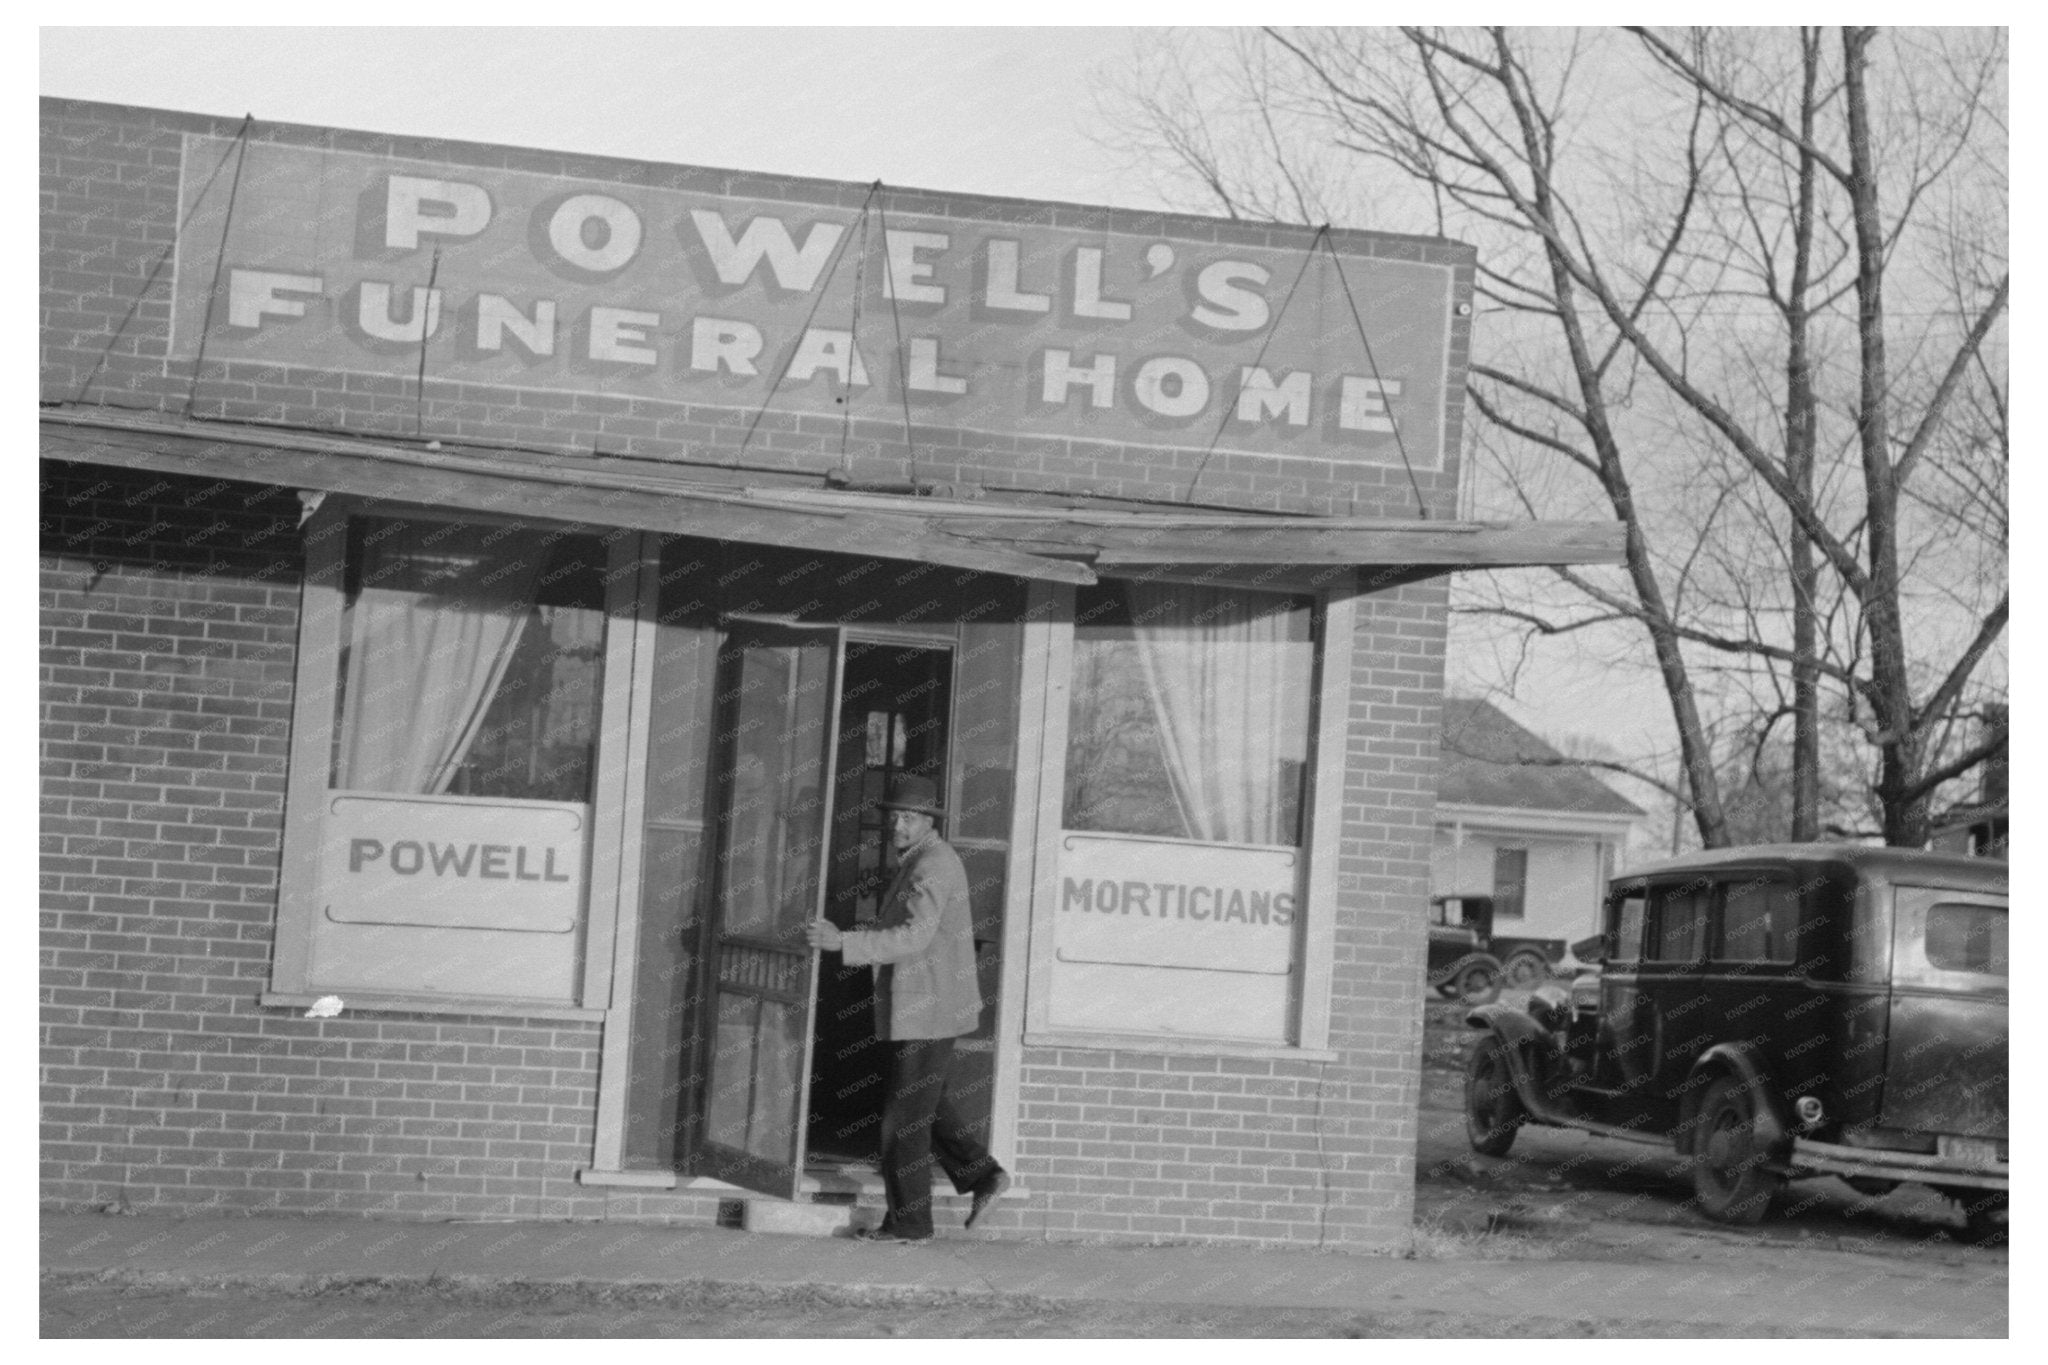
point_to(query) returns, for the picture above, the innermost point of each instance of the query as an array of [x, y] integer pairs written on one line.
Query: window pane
[[731, 1093], [470, 660], [1967, 938], [1628, 931], [1759, 923], [1190, 713], [1681, 927], [773, 831]]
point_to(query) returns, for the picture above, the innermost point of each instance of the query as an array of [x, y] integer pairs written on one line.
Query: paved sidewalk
[[1779, 1288]]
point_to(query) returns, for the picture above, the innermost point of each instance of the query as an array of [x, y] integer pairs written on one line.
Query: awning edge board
[[677, 513], [1043, 546]]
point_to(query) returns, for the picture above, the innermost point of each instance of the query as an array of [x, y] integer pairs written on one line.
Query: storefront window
[[1190, 713], [1183, 869], [470, 659], [451, 679]]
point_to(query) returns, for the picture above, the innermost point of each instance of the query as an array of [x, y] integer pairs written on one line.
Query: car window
[[1967, 938], [1679, 928], [1759, 922], [1628, 928]]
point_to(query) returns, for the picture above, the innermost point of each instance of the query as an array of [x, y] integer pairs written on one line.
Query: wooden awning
[[1061, 544]]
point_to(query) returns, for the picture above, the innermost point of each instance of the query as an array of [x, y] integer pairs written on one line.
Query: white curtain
[[1220, 673], [431, 632]]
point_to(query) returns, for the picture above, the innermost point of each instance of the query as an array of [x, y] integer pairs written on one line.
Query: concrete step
[[802, 1220], [836, 1202]]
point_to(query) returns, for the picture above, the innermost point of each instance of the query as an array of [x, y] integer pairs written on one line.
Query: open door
[[777, 698], [894, 706]]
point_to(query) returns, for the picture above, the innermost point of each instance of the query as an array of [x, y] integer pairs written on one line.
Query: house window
[[1510, 877]]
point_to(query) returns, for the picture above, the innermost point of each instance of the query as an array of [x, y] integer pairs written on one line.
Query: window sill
[[470, 1006], [1178, 1046]]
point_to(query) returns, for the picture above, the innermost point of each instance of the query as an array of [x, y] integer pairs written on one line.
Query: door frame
[[899, 642], [607, 1165]]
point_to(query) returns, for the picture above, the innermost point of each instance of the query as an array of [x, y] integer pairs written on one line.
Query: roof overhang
[[1561, 824], [1057, 543]]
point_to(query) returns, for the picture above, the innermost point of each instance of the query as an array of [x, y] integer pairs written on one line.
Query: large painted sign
[[1007, 321], [1169, 936]]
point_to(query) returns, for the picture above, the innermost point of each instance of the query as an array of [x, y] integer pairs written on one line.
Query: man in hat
[[922, 949]]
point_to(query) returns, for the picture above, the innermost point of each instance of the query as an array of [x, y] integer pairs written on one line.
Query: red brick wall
[[169, 620], [1137, 1145], [169, 616]]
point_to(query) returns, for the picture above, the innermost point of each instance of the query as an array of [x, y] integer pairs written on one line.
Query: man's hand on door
[[824, 934]]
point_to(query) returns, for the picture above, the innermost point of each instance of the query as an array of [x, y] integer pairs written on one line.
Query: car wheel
[[1986, 1216], [1526, 968], [1493, 1111], [1728, 1172], [1479, 984]]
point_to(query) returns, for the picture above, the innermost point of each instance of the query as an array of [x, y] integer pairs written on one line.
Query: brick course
[[106, 288], [166, 672], [169, 618]]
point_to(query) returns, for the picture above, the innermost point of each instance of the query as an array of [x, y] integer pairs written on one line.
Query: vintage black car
[[1777, 1012], [1459, 965], [1522, 961]]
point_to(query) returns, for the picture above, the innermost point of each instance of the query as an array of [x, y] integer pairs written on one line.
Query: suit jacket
[[922, 949]]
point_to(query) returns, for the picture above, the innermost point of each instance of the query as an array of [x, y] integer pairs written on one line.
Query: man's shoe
[[990, 1189], [888, 1234]]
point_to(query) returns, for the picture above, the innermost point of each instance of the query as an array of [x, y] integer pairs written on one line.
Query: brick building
[[482, 588]]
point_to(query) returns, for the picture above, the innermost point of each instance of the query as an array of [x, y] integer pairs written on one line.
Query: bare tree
[[1745, 288]]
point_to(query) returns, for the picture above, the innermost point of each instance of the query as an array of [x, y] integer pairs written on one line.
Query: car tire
[[1526, 968], [1493, 1110], [1986, 1216], [1729, 1177], [1478, 984]]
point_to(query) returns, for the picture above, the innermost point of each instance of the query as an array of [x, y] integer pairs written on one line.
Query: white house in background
[[1516, 821]]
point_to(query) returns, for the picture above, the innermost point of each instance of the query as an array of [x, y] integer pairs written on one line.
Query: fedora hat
[[907, 791]]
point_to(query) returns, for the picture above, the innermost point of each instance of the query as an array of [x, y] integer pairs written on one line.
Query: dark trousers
[[920, 1121]]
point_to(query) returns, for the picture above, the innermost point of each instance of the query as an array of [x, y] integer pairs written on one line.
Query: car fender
[[1527, 1044], [1740, 1061]]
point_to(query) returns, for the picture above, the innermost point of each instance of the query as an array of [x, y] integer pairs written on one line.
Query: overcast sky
[[981, 110], [1004, 111]]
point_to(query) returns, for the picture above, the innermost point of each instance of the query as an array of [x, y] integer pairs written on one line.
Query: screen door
[[777, 693]]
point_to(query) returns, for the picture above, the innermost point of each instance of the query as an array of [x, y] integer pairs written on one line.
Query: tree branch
[[1747, 109], [1530, 434], [1954, 768], [1951, 687], [1930, 420]]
